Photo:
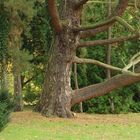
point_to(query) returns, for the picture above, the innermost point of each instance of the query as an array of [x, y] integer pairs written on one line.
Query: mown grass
[[31, 126]]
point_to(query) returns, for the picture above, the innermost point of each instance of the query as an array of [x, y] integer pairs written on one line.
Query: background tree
[[38, 43], [20, 13], [3, 46]]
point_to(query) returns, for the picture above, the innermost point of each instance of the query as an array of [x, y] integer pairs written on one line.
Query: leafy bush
[[31, 97], [4, 115], [123, 100], [135, 107], [6, 106]]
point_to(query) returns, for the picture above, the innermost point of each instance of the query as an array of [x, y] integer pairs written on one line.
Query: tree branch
[[54, 16], [125, 24], [79, 3], [117, 18], [135, 56], [131, 3], [111, 20], [29, 80], [97, 25], [134, 61], [96, 62], [107, 41], [104, 87]]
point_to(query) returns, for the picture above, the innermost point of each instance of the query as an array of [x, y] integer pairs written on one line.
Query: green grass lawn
[[31, 126]]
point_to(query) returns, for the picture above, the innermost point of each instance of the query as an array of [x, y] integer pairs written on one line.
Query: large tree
[[57, 97]]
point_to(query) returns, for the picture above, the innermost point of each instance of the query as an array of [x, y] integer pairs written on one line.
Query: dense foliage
[[4, 24], [125, 99], [6, 106]]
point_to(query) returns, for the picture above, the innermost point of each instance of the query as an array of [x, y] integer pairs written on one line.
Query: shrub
[[31, 98], [6, 106]]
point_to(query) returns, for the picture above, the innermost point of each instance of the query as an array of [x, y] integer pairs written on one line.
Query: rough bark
[[56, 95]]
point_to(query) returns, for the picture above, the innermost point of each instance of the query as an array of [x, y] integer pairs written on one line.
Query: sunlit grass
[[32, 126]]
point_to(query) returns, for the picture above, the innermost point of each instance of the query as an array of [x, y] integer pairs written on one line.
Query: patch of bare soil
[[27, 116], [109, 118]]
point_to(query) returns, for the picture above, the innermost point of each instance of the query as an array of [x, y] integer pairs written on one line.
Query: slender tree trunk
[[111, 100], [76, 86], [17, 90], [15, 45]]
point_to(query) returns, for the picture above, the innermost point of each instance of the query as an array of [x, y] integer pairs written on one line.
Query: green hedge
[[6, 106]]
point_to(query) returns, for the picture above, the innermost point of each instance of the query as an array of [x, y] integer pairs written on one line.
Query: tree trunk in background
[[17, 89], [111, 101], [76, 86], [14, 48]]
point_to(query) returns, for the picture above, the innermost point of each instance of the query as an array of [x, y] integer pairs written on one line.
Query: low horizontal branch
[[99, 63], [107, 41], [103, 88]]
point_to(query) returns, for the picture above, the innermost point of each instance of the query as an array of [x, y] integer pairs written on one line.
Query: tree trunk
[[17, 89], [77, 86], [57, 92], [109, 49], [56, 96], [15, 45]]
